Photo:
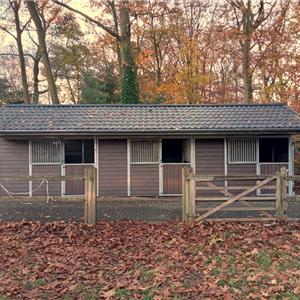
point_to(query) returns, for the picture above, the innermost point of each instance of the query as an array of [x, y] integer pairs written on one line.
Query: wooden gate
[[245, 198]]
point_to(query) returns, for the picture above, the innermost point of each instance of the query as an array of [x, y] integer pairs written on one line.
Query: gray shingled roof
[[116, 119]]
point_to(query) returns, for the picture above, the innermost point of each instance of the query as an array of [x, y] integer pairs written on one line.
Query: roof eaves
[[157, 131]]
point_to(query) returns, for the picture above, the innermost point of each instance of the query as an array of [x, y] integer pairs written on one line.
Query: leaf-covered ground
[[135, 260]]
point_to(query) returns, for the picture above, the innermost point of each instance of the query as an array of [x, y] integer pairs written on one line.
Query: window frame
[[235, 162], [33, 141], [82, 152], [158, 142]]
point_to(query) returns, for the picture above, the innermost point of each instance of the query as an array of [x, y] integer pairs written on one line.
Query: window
[[79, 151], [145, 151], [172, 151], [274, 150], [47, 151], [241, 151]]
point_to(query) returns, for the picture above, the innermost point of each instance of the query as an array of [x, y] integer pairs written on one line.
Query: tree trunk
[[36, 70], [245, 47], [116, 25], [129, 82], [71, 90], [247, 76], [31, 5], [15, 7]]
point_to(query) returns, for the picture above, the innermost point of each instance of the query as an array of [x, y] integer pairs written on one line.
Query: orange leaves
[[135, 260]]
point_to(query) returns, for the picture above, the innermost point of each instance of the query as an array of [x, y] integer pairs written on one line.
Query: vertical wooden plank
[[185, 194], [278, 197], [188, 193], [284, 172], [192, 194], [291, 165], [281, 195], [30, 166], [90, 204], [128, 166]]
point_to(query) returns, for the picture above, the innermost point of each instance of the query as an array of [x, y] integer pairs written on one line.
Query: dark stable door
[[172, 178]]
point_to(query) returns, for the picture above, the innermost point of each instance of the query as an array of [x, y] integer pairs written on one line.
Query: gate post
[[281, 195], [188, 193], [90, 199]]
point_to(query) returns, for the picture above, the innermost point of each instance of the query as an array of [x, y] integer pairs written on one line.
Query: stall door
[[74, 188], [172, 178]]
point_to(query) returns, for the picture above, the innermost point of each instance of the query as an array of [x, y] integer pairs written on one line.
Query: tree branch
[[91, 20], [15, 54], [7, 31], [25, 25]]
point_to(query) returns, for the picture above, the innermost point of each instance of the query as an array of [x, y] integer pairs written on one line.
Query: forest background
[[151, 51]]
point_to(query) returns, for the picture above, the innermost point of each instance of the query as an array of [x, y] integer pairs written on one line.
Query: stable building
[[139, 150]]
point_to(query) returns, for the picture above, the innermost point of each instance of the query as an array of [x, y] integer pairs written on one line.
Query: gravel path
[[151, 210]]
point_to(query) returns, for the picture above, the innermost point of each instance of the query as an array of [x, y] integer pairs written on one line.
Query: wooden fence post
[[188, 193], [185, 193], [281, 195], [192, 197], [90, 199]]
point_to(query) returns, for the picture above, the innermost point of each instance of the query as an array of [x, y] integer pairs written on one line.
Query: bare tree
[[15, 6], [32, 8], [247, 21]]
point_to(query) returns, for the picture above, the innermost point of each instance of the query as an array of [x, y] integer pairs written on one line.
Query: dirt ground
[[149, 210]]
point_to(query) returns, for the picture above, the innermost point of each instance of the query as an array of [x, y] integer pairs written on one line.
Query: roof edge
[[147, 105], [160, 132]]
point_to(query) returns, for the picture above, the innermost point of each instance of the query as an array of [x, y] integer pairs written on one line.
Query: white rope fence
[[11, 194]]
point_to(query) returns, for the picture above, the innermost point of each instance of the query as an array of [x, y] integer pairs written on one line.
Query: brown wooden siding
[[172, 179], [241, 169], [209, 160], [209, 156], [144, 180], [14, 161], [54, 187], [271, 169], [74, 187], [112, 167]]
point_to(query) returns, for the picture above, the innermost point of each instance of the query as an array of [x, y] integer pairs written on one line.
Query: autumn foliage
[[135, 260], [209, 51]]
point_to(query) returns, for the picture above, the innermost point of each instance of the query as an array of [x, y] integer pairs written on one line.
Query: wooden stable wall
[[209, 156], [241, 169], [112, 164], [114, 169], [209, 160], [144, 180], [74, 187], [14, 161], [172, 179], [54, 187]]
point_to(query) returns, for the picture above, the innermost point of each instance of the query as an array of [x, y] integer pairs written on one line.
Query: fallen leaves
[[136, 260]]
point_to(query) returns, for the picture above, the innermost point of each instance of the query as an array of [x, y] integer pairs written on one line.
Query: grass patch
[[264, 260], [236, 284], [123, 294], [147, 276], [215, 272], [147, 294], [34, 284]]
